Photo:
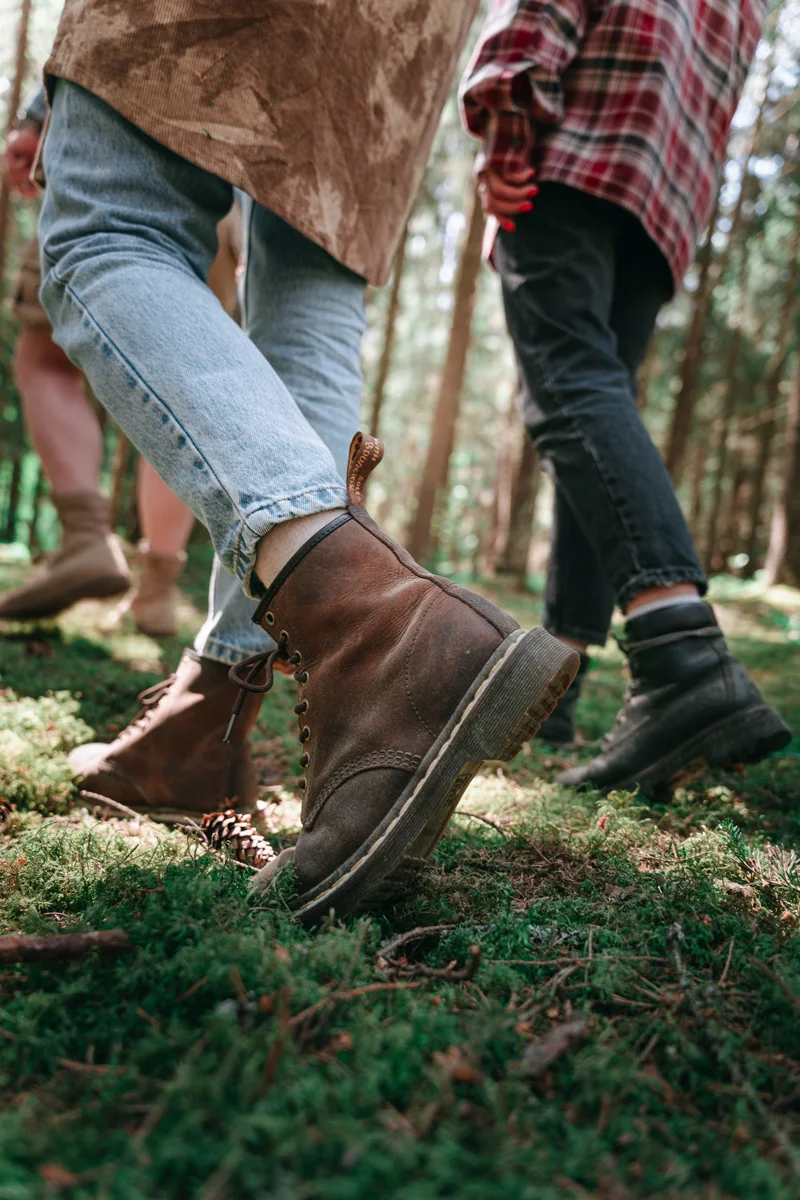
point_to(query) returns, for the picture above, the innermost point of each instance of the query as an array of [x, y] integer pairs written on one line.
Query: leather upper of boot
[[670, 651], [384, 652], [88, 563], [173, 754]]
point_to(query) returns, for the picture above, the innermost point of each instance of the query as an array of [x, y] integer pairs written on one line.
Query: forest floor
[[630, 1030]]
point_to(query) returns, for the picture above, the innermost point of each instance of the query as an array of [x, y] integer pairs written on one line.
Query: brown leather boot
[[89, 565], [408, 683], [170, 763], [153, 603]]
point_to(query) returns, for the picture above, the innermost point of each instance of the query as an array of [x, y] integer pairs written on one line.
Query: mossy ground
[[186, 1069]]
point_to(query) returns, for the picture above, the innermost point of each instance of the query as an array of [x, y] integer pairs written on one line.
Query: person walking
[[325, 116], [62, 425], [604, 128]]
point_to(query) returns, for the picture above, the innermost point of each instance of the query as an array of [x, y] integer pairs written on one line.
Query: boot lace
[[149, 700], [245, 675]]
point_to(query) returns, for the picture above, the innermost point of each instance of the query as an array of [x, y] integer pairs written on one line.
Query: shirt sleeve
[[513, 81]]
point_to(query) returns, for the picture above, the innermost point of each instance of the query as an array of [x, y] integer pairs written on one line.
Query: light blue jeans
[[248, 430]]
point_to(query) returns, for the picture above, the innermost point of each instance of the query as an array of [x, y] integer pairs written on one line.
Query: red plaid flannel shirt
[[629, 100]]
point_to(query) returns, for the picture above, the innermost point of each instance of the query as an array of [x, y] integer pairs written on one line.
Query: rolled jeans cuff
[[256, 525], [663, 577]]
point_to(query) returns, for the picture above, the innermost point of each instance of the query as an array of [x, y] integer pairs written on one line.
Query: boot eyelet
[[283, 635], [269, 618], [305, 761], [302, 678], [301, 783], [305, 734]]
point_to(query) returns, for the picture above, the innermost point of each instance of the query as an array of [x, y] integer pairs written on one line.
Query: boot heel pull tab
[[365, 454]]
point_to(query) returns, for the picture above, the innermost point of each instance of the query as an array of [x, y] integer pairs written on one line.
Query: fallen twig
[[776, 979], [20, 947], [351, 994], [413, 935], [462, 812], [107, 802], [451, 972], [720, 1049], [542, 1053]]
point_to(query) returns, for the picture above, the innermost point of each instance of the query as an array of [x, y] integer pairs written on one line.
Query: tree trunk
[[119, 472], [13, 499], [36, 503], [497, 530], [783, 556], [721, 436], [434, 478], [681, 424], [513, 559], [731, 537], [774, 376], [722, 427], [388, 337], [14, 98], [697, 475], [711, 273]]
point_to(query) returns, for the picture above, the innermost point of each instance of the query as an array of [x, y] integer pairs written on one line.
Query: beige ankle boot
[[154, 603], [88, 565]]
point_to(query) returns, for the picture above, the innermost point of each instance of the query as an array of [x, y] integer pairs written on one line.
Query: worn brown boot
[[408, 683], [153, 603], [89, 565], [170, 763]]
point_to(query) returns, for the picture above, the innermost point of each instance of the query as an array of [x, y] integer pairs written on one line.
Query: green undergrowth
[[606, 1003]]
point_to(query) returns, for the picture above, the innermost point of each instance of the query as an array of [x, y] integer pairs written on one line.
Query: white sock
[[666, 602]]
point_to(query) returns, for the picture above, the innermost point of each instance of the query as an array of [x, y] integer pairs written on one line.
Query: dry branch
[[20, 947]]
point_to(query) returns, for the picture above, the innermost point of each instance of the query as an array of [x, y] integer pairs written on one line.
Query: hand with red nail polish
[[504, 196]]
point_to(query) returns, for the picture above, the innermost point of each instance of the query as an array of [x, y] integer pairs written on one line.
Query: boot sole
[[515, 692], [100, 589], [747, 736]]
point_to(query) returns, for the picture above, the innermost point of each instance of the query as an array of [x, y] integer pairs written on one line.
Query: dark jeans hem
[[592, 637], [664, 577]]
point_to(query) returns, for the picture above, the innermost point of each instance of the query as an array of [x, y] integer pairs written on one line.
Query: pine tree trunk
[[783, 555], [698, 477], [497, 531], [710, 274], [731, 536], [119, 472], [388, 337], [681, 423], [422, 535], [36, 504], [774, 377], [10, 529], [721, 436], [14, 98], [513, 558]]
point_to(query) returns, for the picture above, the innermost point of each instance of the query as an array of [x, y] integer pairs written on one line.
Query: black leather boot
[[559, 728], [690, 705]]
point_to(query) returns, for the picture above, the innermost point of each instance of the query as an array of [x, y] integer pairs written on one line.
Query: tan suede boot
[[407, 684], [170, 762], [154, 603], [89, 565]]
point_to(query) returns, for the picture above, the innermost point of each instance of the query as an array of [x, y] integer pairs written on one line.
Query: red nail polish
[[533, 191], [526, 207], [509, 226]]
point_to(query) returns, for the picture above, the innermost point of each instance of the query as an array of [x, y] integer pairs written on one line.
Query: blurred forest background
[[720, 388]]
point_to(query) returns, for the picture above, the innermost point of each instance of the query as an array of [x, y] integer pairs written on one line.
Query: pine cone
[[234, 832]]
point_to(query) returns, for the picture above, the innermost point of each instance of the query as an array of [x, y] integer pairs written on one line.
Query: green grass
[[186, 1068]]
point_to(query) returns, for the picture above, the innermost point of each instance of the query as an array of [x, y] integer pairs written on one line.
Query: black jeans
[[582, 286]]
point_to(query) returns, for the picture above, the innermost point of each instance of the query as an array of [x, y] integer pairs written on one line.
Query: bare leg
[[58, 413], [166, 521]]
